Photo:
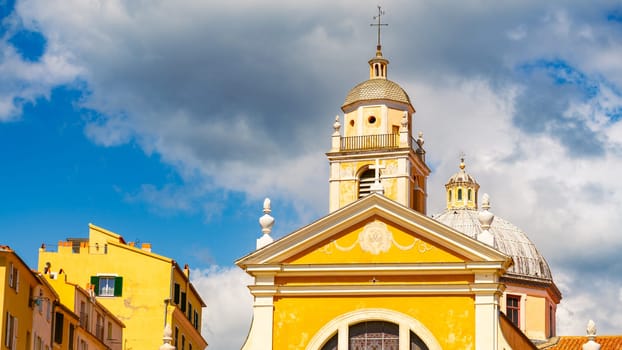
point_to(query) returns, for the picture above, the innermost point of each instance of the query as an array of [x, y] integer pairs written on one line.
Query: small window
[[352, 122], [71, 331], [10, 331], [176, 336], [513, 309], [183, 342], [183, 302], [449, 196], [551, 321], [107, 286], [196, 320], [13, 277], [176, 294], [469, 195], [459, 194], [58, 328], [371, 119]]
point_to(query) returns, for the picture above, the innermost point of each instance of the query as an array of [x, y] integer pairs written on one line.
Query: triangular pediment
[[375, 240], [374, 230]]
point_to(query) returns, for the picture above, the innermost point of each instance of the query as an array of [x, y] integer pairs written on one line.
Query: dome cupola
[[461, 190]]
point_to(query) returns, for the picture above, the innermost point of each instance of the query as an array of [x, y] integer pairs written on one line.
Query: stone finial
[[336, 125], [167, 338], [591, 328], [591, 344], [266, 222], [420, 139], [485, 218]]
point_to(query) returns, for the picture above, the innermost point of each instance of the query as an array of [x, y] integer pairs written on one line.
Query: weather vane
[[379, 24]]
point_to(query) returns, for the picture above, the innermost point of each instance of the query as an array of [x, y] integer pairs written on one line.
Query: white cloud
[[227, 317]]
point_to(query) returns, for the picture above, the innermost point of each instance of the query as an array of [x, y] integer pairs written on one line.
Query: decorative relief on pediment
[[376, 238]]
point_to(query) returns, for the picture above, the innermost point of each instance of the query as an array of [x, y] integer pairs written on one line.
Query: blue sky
[[169, 122]]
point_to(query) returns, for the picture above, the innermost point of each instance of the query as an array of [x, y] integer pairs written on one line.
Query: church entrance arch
[[374, 329]]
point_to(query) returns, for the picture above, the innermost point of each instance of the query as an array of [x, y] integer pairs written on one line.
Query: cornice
[[379, 289], [386, 269]]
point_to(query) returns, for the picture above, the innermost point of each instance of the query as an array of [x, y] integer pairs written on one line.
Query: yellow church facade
[[377, 272]]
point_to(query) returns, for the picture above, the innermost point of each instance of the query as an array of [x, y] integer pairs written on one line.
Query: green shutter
[[118, 286], [95, 284]]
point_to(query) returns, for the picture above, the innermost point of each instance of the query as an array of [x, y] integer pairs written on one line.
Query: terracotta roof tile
[[607, 342]]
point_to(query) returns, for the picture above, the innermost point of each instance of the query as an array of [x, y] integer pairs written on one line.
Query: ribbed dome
[[376, 89], [509, 239], [461, 176]]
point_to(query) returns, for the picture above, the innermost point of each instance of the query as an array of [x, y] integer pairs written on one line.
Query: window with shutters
[[182, 304], [13, 277], [176, 294], [10, 331], [58, 328], [107, 286]]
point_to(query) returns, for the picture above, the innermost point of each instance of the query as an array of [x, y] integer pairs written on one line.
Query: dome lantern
[[461, 190]]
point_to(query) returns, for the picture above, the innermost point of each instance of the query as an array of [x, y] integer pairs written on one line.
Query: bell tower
[[374, 149]]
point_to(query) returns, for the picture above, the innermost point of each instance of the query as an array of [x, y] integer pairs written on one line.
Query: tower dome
[[377, 87]]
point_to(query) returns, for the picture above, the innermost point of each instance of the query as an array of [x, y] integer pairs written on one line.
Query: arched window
[[365, 181], [449, 197], [331, 344], [376, 70], [374, 335], [459, 194], [469, 195]]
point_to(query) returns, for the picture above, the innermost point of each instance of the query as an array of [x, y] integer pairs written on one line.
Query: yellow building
[[16, 321], [142, 289], [376, 272]]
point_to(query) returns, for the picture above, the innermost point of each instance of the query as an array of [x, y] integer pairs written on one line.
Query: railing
[[381, 141], [367, 142]]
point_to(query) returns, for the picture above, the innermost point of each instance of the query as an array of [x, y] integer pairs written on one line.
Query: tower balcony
[[377, 143]]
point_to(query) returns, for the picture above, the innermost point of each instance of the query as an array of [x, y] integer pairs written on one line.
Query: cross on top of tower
[[379, 24]]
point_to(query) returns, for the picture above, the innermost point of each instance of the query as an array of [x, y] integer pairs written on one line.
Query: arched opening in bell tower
[[366, 179]]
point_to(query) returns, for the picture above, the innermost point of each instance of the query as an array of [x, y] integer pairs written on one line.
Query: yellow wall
[[343, 248], [450, 318]]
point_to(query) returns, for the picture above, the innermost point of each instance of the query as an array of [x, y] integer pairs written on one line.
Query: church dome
[[528, 262], [376, 89]]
